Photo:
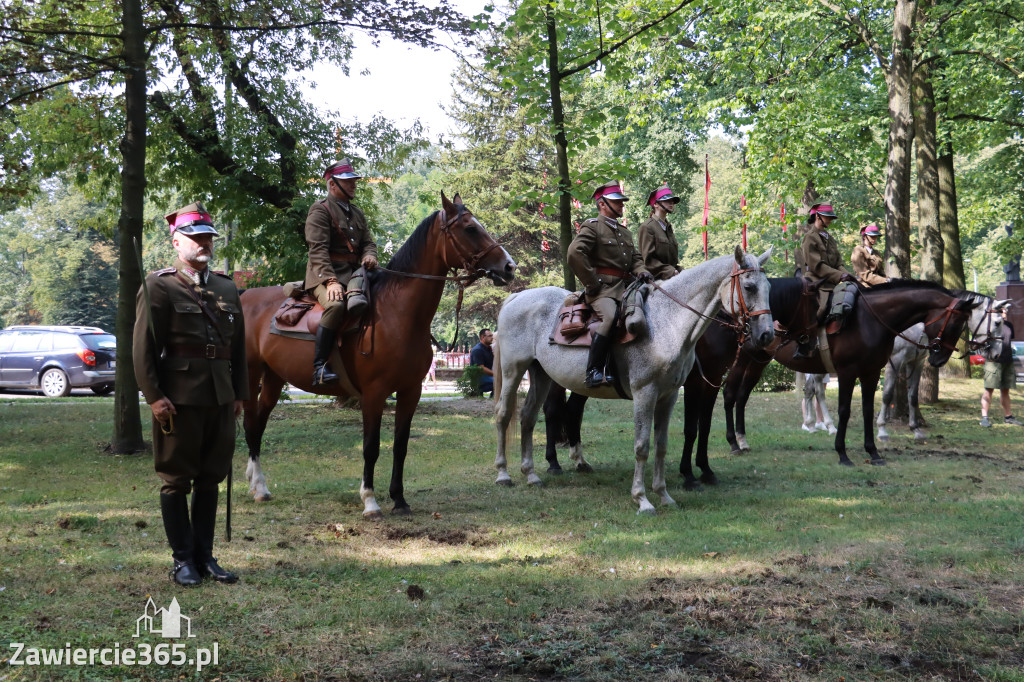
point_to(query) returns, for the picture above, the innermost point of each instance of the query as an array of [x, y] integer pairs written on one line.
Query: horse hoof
[[846, 463], [647, 512], [884, 439], [878, 462], [507, 482], [262, 498], [920, 435], [402, 511], [373, 516], [584, 468], [692, 485], [709, 480], [536, 482], [556, 471], [745, 448], [735, 450]]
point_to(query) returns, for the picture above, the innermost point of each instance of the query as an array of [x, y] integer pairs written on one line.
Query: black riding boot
[[322, 374], [596, 375], [204, 518], [174, 509]]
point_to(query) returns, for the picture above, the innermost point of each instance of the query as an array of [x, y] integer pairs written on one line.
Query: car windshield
[[100, 341]]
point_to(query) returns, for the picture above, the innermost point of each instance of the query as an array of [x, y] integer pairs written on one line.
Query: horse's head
[[745, 296], [986, 325], [467, 244], [945, 329]]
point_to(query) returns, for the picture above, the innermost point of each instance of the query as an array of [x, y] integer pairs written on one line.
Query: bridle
[[738, 308], [470, 261], [974, 345], [936, 343]]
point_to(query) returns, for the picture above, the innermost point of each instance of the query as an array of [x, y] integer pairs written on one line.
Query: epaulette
[[165, 271]]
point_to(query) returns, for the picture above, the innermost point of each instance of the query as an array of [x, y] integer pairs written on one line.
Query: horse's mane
[[785, 293], [896, 284], [406, 258]]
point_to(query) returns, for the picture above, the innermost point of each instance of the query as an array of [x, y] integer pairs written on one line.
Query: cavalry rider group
[[189, 338]]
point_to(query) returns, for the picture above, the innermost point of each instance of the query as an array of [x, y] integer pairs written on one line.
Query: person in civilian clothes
[[604, 259], [189, 358], [341, 249], [1000, 373]]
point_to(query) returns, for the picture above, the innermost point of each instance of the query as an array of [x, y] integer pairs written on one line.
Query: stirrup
[[595, 378], [323, 375]]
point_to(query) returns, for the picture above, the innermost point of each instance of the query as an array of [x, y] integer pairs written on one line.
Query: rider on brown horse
[[604, 259], [339, 243], [819, 261]]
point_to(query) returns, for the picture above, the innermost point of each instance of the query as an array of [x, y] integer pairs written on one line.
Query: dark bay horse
[[860, 351], [389, 353], [793, 303]]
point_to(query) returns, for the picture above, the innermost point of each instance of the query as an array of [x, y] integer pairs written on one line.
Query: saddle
[[577, 322], [300, 314]]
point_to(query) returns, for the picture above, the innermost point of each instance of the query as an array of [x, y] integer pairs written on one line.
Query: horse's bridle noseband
[[470, 261]]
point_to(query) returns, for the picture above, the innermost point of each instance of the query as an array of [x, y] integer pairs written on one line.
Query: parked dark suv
[[57, 359]]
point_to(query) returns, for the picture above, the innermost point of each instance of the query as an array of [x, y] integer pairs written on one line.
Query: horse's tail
[[512, 430]]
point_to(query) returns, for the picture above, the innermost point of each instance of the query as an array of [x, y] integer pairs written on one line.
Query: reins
[[470, 262], [945, 316]]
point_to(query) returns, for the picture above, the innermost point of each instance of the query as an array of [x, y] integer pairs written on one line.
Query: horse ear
[[763, 258], [1001, 303], [445, 204], [739, 255], [456, 199]]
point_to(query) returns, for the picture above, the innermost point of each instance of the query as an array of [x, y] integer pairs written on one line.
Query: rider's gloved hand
[[645, 277], [847, 277]]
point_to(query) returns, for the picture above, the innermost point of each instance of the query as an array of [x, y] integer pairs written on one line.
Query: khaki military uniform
[[821, 260], [868, 266], [603, 257], [659, 248], [197, 361], [338, 241]]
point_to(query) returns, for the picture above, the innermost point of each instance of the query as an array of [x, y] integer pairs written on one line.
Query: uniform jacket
[[821, 259], [659, 249], [178, 320], [330, 231], [603, 243], [868, 266]]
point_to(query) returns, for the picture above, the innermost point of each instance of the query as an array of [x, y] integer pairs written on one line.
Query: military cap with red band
[[342, 170], [610, 190], [871, 230], [663, 193], [191, 219], [823, 210]]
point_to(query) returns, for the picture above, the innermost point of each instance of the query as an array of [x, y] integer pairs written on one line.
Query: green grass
[[791, 568]]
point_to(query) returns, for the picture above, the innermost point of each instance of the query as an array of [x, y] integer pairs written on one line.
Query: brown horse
[[389, 353], [860, 351]]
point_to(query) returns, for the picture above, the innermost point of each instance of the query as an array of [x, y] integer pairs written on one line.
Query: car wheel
[[54, 383], [105, 389]]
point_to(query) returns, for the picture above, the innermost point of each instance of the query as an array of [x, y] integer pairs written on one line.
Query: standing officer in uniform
[[339, 243], [658, 245], [603, 258], [820, 262], [189, 349], [868, 265]]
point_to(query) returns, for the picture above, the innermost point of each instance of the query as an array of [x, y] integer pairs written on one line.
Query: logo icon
[[164, 622]]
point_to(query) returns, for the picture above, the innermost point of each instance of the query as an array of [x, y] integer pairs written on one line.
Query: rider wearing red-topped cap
[[340, 248], [867, 263], [819, 261], [658, 245], [604, 259]]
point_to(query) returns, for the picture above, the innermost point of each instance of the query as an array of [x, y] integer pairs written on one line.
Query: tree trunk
[[897, 181], [953, 262], [127, 423], [927, 198], [561, 150]]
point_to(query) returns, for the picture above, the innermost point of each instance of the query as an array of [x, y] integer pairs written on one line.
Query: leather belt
[[344, 257], [198, 350], [612, 272]]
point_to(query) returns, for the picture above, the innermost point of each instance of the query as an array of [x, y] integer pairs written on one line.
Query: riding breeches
[[606, 308], [334, 311]]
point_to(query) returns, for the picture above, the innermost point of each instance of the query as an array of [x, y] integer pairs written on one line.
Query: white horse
[[651, 369], [814, 394], [910, 350]]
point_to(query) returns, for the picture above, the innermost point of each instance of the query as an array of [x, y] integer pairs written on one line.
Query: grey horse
[[651, 369]]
